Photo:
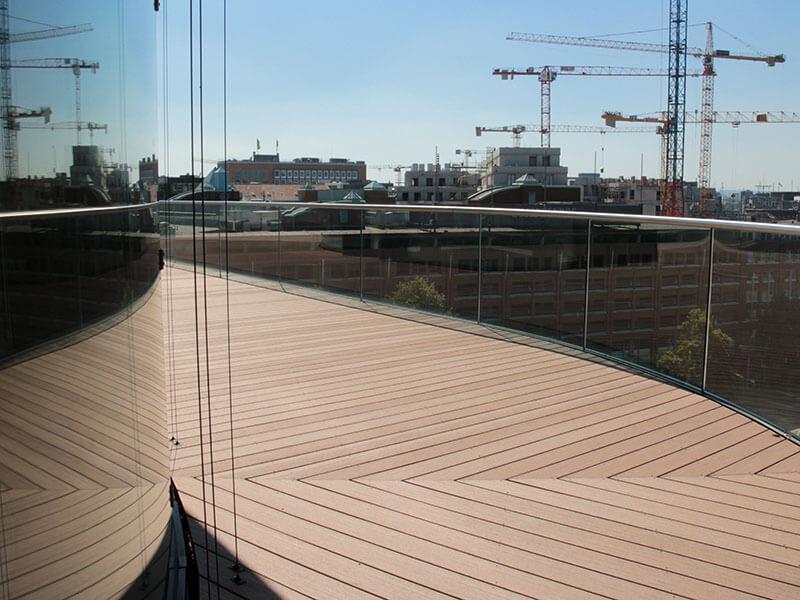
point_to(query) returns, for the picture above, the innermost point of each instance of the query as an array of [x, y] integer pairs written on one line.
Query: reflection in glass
[[755, 303], [84, 477], [644, 282], [534, 275]]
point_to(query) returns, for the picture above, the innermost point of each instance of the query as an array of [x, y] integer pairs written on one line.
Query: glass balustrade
[[634, 289]]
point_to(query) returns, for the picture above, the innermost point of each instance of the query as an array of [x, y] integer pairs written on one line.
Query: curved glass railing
[[69, 270], [712, 304], [84, 482]]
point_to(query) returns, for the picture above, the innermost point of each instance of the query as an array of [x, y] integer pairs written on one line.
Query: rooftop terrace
[[378, 455]]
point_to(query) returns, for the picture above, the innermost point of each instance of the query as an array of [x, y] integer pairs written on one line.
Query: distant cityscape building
[[148, 170], [640, 191], [424, 184], [506, 165], [268, 168]]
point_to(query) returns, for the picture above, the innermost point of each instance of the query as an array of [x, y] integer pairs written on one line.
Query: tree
[[418, 293], [685, 360]]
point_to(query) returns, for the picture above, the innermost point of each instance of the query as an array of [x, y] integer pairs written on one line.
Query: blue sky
[[387, 82]]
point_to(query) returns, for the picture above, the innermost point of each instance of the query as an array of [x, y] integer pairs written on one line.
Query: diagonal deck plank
[[377, 456]]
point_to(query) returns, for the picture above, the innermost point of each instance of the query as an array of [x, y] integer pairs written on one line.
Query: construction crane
[[673, 200], [9, 114], [398, 170], [548, 74], [735, 118], [517, 130], [75, 64], [678, 50], [467, 155], [88, 125]]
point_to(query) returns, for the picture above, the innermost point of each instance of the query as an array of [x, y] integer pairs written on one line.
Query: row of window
[[294, 175]]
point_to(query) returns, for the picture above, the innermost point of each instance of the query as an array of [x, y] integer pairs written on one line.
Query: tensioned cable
[[123, 156], [168, 214], [657, 29], [236, 565], [205, 306], [740, 40], [196, 303]]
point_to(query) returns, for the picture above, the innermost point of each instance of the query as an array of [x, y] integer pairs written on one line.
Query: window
[[429, 181]]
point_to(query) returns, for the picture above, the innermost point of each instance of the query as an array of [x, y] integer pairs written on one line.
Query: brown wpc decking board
[[379, 456]]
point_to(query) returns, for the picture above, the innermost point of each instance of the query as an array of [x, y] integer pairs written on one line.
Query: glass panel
[[647, 292], [534, 275], [81, 363], [424, 260], [321, 247], [754, 350]]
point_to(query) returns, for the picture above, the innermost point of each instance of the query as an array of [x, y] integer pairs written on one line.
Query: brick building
[[268, 168]]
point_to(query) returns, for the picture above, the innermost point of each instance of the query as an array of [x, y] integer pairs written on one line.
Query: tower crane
[[517, 130], [678, 50], [88, 125], [548, 73], [398, 170], [467, 155], [735, 118], [8, 113], [75, 64]]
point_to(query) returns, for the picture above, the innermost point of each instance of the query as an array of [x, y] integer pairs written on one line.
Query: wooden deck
[[380, 457]]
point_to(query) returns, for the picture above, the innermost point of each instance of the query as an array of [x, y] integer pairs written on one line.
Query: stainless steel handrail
[[773, 228], [69, 212]]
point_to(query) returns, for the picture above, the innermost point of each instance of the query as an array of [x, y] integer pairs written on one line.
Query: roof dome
[[374, 186], [527, 179], [353, 197]]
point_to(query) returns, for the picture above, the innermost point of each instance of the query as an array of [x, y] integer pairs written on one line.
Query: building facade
[[268, 168], [506, 165], [427, 184]]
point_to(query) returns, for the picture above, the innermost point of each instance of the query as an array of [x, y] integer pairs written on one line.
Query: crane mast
[[673, 128], [707, 120], [8, 113], [9, 132], [547, 75], [672, 199]]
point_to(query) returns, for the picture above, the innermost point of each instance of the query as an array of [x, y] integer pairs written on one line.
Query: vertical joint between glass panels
[[480, 266], [708, 306], [586, 283], [361, 258], [280, 263]]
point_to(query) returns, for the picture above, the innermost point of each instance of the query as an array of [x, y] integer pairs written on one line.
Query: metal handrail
[[773, 228], [69, 212]]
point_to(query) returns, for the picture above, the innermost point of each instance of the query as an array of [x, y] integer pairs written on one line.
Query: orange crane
[[735, 118], [517, 130], [707, 56], [548, 73]]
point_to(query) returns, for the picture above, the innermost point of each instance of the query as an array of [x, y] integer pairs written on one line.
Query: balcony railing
[[712, 304], [83, 404]]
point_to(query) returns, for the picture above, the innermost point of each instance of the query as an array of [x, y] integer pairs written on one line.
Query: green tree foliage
[[418, 293], [685, 360]]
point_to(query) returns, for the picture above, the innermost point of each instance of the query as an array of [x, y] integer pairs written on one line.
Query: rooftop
[[385, 453]]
